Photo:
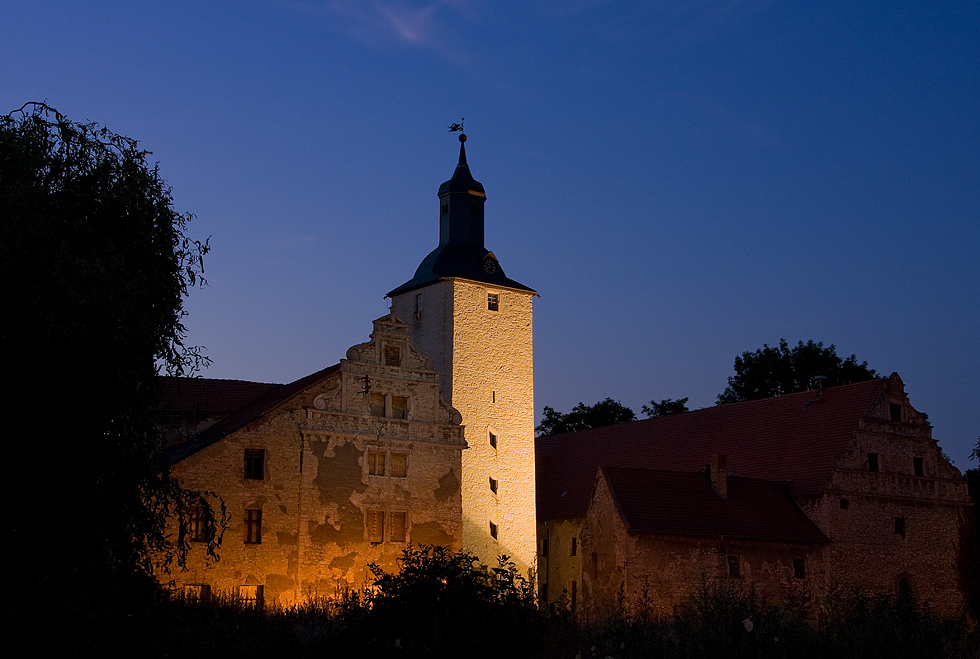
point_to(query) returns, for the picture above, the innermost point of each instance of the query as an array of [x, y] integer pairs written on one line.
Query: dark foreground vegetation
[[442, 604]]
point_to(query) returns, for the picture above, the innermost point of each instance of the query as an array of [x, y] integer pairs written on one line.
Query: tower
[[475, 323]]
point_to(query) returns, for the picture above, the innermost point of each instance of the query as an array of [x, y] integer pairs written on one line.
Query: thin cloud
[[417, 24]]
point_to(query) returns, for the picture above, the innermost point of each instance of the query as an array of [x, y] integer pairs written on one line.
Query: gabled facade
[[858, 460], [325, 475]]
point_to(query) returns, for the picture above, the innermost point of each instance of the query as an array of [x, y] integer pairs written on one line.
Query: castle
[[425, 434], [348, 465]]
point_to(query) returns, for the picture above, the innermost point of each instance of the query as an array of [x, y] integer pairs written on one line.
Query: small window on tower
[[895, 411], [493, 530], [445, 207], [917, 467], [733, 566], [799, 568], [493, 440], [418, 305], [872, 462], [493, 301], [900, 526], [493, 485], [574, 547]]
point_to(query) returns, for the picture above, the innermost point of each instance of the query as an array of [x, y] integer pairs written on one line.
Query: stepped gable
[[794, 439], [680, 503]]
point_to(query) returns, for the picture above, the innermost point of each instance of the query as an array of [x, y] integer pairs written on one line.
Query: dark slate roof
[[795, 438], [272, 398], [677, 503], [460, 255], [457, 260], [208, 397]]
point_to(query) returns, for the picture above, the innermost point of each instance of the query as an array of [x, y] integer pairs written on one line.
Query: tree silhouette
[[95, 266], [773, 371]]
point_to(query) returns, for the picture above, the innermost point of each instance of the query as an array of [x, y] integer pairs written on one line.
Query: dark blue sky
[[681, 180]]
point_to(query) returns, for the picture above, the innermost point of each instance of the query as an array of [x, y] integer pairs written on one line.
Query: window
[[418, 305], [251, 595], [844, 504], [253, 526], [574, 551], [393, 356], [376, 526], [872, 462], [198, 527], [197, 592], [493, 485], [900, 526], [493, 301], [917, 467], [493, 440], [574, 595], [255, 463], [445, 208], [399, 526], [493, 397], [544, 592], [399, 465], [733, 566], [799, 568], [399, 407], [493, 530], [376, 462], [544, 548], [895, 412]]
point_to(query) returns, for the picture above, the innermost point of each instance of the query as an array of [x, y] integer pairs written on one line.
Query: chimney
[[718, 473]]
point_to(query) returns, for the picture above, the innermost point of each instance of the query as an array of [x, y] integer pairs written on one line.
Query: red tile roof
[[208, 397], [796, 438], [273, 397], [676, 503]]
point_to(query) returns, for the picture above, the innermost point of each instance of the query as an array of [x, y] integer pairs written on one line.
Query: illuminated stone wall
[[486, 360], [325, 492]]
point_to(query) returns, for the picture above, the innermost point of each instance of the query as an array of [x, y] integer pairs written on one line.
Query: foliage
[[773, 371], [443, 603], [969, 545], [95, 265], [584, 417], [665, 407]]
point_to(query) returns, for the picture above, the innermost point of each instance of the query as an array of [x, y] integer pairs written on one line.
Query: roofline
[[401, 290], [277, 398]]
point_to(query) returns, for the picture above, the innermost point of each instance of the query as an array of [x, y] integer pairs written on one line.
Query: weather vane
[[458, 127]]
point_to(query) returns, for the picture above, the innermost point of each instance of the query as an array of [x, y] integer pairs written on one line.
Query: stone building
[[843, 487], [322, 476], [475, 322], [363, 457]]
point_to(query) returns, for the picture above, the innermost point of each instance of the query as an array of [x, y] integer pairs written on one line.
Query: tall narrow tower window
[[493, 440], [493, 301], [493, 530]]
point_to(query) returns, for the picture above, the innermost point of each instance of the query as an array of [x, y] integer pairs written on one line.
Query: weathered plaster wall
[[486, 359], [560, 567], [651, 575], [318, 489], [859, 509]]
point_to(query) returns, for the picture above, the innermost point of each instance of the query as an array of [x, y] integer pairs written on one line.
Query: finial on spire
[[458, 127]]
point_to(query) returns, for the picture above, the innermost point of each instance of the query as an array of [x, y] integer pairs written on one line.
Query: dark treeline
[[442, 604]]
